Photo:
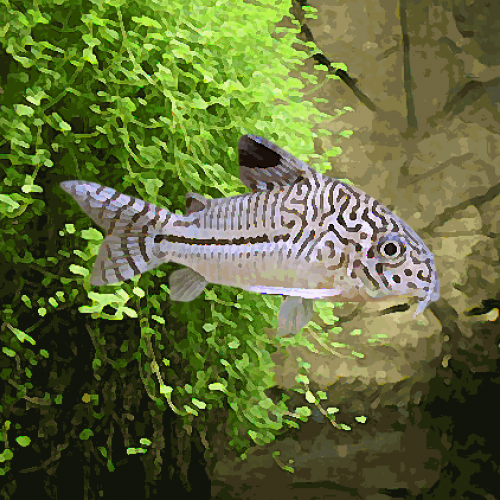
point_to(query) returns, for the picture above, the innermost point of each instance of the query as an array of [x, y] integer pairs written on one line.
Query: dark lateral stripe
[[214, 241]]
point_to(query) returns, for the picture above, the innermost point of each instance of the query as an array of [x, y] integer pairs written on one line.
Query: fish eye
[[391, 249]]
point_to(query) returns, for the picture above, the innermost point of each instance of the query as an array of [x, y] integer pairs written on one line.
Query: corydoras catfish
[[299, 234]]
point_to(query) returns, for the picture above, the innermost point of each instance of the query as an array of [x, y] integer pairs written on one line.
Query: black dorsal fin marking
[[264, 165]]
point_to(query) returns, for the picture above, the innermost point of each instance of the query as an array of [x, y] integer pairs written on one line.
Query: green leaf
[[253, 435], [139, 292], [146, 21], [23, 110], [128, 311], [6, 455], [158, 319], [152, 154], [217, 386], [90, 40], [200, 404], [82, 271], [135, 451], [86, 434], [26, 300], [321, 394], [5, 198], [91, 234], [346, 133], [23, 441], [31, 188], [310, 397], [38, 17], [89, 56], [166, 389], [332, 410], [21, 336], [303, 411], [325, 311], [199, 103], [190, 411]]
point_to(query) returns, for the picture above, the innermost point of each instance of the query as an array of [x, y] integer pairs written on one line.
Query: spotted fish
[[299, 234]]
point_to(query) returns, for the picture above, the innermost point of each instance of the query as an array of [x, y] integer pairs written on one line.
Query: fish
[[298, 233]]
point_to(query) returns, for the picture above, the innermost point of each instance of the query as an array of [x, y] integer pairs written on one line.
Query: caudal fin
[[131, 225]]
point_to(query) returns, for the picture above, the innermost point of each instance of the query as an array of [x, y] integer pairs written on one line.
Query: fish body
[[298, 233]]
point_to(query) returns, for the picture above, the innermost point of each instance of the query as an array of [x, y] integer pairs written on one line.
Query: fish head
[[397, 263]]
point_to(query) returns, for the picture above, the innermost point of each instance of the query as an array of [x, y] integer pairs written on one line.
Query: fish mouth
[[368, 294]]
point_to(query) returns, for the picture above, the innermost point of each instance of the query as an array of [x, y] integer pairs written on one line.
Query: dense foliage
[[149, 98]]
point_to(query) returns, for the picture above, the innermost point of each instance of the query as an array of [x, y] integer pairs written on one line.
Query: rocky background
[[423, 82]]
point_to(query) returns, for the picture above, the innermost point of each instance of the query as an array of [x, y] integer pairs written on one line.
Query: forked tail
[[131, 225]]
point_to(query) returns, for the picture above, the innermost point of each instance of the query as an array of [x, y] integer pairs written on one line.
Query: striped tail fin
[[131, 225]]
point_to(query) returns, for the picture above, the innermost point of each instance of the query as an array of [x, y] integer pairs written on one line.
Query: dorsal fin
[[264, 166], [195, 203]]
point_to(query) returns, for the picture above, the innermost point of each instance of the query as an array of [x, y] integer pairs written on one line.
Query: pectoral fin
[[186, 285], [294, 314]]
